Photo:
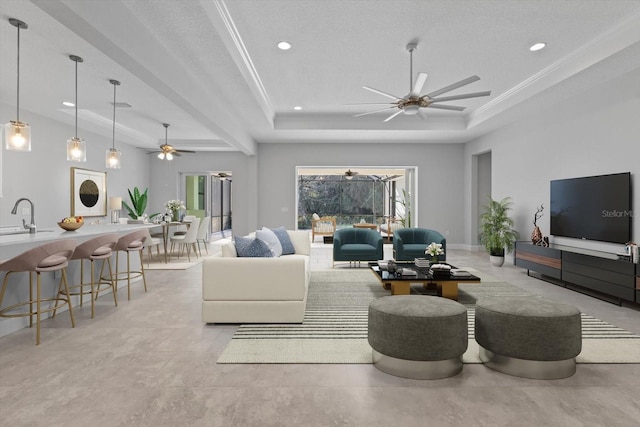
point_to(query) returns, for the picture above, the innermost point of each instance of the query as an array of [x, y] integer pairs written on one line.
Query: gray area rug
[[334, 329]]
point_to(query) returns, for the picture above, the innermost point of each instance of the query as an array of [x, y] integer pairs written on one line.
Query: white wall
[[165, 182], [43, 174], [440, 178], [593, 134]]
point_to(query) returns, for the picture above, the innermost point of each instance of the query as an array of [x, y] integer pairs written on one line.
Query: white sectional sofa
[[257, 290]]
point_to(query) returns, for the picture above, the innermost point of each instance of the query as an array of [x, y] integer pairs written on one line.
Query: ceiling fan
[[413, 102], [167, 151]]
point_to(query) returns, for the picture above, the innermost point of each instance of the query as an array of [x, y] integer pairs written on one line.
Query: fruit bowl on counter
[[71, 223]]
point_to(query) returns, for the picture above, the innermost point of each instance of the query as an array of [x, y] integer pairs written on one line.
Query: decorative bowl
[[70, 226]]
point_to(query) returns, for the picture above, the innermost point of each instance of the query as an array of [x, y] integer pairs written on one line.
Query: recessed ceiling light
[[68, 104], [297, 108], [284, 46], [537, 46]]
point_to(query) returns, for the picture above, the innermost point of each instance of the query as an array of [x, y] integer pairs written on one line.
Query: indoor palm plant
[[496, 229]]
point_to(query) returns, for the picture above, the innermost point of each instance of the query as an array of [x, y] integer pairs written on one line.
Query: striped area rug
[[334, 329]]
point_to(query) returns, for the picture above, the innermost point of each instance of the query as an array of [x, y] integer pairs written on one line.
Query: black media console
[[583, 270]]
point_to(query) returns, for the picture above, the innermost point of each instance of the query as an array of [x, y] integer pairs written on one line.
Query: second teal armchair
[[410, 243]]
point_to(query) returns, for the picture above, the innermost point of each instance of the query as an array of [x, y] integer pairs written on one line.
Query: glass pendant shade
[[169, 156], [17, 136], [113, 158], [161, 156], [76, 150]]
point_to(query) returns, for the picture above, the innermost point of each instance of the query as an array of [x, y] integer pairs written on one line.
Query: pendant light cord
[[113, 144], [76, 133], [18, 85]]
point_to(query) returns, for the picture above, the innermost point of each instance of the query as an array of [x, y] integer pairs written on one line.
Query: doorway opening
[[207, 195]]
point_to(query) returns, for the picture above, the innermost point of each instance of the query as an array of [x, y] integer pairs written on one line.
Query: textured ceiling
[[212, 70]]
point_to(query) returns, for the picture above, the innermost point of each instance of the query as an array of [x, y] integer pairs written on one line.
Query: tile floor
[[151, 361]]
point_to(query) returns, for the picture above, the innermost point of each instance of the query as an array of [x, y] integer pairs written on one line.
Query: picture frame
[[88, 192]]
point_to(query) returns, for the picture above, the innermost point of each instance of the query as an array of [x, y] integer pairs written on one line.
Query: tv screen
[[592, 208]]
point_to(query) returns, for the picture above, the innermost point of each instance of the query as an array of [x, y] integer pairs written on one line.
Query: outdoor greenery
[[350, 201], [496, 228]]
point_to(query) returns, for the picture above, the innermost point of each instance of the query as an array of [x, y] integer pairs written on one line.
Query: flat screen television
[[592, 208]]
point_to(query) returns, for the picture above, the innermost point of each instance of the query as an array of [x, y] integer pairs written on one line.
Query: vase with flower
[[433, 250], [174, 206]]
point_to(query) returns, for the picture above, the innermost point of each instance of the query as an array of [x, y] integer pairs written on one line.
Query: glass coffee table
[[446, 285]]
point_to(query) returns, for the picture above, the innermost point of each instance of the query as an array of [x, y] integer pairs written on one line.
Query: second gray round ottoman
[[528, 337], [420, 337]]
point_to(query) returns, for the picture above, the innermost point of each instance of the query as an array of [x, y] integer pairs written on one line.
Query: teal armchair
[[357, 244], [410, 243]]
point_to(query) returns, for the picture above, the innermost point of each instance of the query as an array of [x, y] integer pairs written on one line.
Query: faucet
[[31, 227]]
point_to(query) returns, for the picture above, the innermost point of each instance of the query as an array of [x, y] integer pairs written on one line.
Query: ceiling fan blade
[[454, 86], [379, 92], [447, 107], [417, 86], [372, 103], [422, 115], [393, 115], [462, 96], [184, 151], [375, 111], [175, 153]]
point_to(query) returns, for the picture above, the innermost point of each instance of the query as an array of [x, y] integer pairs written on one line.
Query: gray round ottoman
[[420, 337], [528, 337]]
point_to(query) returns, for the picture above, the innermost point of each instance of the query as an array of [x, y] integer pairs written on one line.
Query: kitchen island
[[18, 287]]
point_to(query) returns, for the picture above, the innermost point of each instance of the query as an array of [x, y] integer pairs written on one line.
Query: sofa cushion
[[270, 238], [254, 248], [285, 240]]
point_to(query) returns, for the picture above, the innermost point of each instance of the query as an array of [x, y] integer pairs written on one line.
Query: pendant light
[[113, 155], [17, 134], [76, 148]]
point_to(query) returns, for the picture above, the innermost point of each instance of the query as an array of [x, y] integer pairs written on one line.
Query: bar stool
[[98, 248], [52, 256], [132, 242]]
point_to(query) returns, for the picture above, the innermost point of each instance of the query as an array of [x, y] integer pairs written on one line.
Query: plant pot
[[496, 261]]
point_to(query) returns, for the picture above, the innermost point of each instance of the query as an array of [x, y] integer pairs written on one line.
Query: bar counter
[[18, 287]]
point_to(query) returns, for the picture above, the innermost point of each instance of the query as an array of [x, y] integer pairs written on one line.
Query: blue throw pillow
[[255, 248], [285, 240]]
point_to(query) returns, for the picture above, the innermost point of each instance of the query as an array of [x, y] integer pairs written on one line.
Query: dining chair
[[203, 235], [187, 241]]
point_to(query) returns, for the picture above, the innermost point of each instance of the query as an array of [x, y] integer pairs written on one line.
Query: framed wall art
[[88, 192]]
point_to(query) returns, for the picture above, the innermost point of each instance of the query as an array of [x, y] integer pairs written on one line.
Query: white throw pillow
[[315, 216], [270, 238], [229, 250]]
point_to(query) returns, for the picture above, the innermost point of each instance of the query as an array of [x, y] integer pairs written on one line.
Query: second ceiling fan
[[167, 151], [413, 102]]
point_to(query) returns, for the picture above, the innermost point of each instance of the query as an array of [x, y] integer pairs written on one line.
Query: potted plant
[[138, 204], [496, 230]]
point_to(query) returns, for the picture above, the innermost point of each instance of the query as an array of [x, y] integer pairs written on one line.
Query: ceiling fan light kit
[[413, 103]]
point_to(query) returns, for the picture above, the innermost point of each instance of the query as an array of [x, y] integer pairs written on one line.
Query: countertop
[[48, 233]]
